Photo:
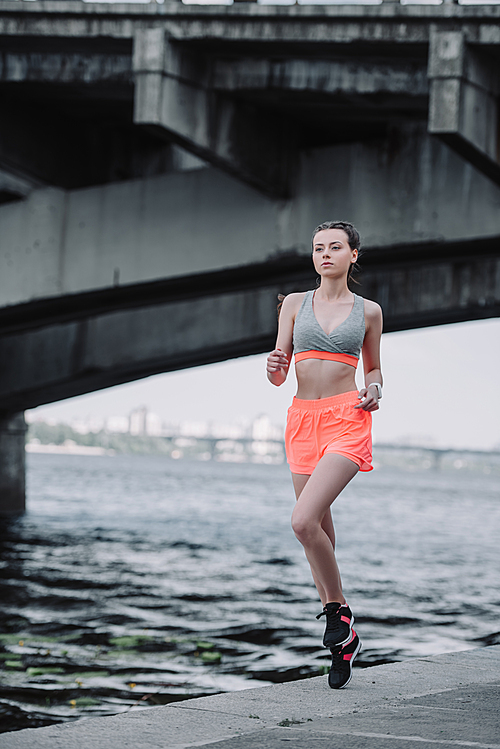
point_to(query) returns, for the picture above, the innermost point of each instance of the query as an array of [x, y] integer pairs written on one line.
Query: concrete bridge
[[162, 167]]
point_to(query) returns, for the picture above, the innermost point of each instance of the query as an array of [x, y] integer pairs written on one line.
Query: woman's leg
[[309, 519], [299, 481]]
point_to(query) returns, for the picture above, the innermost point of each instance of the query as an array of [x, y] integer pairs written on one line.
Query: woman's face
[[332, 255]]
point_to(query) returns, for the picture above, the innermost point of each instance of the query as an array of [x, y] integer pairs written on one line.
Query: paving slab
[[275, 738], [464, 717], [449, 700]]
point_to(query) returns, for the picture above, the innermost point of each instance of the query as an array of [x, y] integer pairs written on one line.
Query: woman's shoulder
[[373, 314], [294, 300], [372, 309]]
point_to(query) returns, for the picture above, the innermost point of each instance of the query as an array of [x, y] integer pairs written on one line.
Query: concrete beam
[[434, 284], [63, 360], [387, 23], [464, 107], [403, 190], [174, 95], [64, 67], [349, 76], [203, 324], [379, 26]]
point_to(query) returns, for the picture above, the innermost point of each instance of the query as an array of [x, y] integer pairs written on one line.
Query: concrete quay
[[449, 700]]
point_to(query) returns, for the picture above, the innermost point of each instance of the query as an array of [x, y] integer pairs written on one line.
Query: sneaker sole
[[351, 662], [343, 642]]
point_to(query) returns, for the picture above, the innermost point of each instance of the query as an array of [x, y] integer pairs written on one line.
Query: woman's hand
[[369, 399], [276, 361], [277, 366]]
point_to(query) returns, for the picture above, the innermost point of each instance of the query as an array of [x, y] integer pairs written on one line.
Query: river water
[[139, 580]]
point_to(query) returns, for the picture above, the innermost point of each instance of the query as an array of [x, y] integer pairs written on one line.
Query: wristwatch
[[379, 388]]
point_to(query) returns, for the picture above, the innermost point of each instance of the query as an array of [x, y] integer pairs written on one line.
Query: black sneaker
[[342, 660], [339, 621]]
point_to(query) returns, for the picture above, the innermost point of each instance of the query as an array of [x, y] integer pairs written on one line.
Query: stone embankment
[[450, 700]]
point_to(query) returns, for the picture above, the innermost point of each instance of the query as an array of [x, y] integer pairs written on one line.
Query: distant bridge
[[275, 449], [438, 454], [162, 167], [271, 449]]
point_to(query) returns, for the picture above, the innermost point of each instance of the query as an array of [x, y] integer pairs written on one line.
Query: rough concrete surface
[[462, 717], [449, 700]]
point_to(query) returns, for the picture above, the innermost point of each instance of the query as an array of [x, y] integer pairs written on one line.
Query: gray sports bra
[[344, 342]]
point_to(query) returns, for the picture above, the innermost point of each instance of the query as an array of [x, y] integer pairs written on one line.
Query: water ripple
[[135, 580]]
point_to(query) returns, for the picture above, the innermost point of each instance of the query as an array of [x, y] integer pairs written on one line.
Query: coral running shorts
[[328, 425]]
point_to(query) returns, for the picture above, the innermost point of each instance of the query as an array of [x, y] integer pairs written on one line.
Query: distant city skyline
[[141, 421], [440, 389]]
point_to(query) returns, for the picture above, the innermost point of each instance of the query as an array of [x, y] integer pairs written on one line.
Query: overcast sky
[[441, 388]]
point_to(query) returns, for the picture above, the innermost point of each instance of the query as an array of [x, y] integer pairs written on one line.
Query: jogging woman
[[328, 431]]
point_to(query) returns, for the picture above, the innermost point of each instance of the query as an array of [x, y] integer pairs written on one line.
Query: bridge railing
[[314, 2], [307, 2], [334, 2]]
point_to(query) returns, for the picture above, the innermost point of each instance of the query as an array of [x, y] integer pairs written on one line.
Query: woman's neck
[[333, 290]]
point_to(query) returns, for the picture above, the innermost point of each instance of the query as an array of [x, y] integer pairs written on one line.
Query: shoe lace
[[332, 617], [337, 660]]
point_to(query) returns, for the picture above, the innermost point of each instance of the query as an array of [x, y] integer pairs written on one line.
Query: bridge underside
[[109, 284], [120, 335], [244, 87]]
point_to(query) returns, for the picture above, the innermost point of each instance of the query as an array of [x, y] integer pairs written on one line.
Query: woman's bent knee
[[304, 527]]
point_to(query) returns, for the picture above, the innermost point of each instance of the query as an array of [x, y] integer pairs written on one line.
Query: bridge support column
[[12, 464], [175, 98], [463, 106]]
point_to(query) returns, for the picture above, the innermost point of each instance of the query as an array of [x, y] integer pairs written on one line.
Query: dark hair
[[354, 243], [352, 238]]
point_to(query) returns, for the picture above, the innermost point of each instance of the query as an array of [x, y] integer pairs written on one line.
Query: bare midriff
[[317, 378]]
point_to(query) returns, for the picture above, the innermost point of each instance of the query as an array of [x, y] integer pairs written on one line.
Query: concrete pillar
[[174, 96], [12, 464], [463, 100]]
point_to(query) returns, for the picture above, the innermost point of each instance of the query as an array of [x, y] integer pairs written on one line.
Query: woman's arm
[[278, 361], [371, 357]]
